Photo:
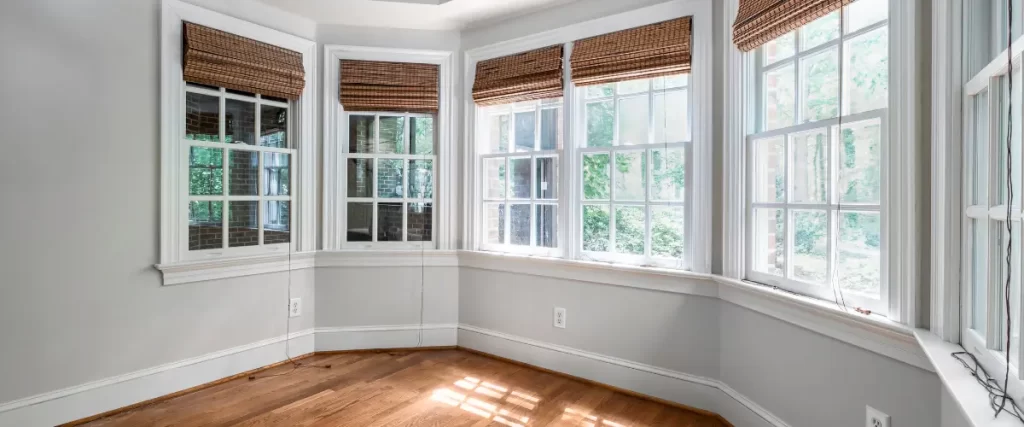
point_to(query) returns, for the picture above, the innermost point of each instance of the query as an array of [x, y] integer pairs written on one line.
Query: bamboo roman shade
[[526, 76], [216, 58], [761, 21], [389, 86], [653, 50]]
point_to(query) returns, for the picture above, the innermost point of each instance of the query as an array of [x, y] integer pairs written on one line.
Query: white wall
[[375, 296], [952, 415]]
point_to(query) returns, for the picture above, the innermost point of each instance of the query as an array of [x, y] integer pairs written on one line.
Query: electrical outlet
[[876, 418], [559, 317], [295, 307]]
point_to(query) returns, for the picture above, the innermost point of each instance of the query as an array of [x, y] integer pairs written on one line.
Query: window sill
[[199, 271]]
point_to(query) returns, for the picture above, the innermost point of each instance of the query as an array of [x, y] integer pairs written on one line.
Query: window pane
[[780, 48], [669, 174], [243, 178], [520, 231], [547, 226], [769, 241], [420, 217], [205, 225], [494, 175], [421, 179], [498, 141], [819, 88], [769, 164], [866, 76], [550, 128], [633, 120], [389, 178], [276, 223], [202, 117], [671, 117], [361, 134], [633, 86], [206, 171], [596, 233], [495, 217], [669, 82], [360, 177], [526, 131], [810, 167], [979, 271], [810, 246], [273, 126], [779, 97], [600, 91], [863, 13], [520, 188], [668, 229], [360, 222], [243, 226], [977, 147], [239, 122], [421, 135], [392, 135], [630, 175], [821, 30], [596, 178], [629, 229], [547, 178], [600, 124], [389, 222], [276, 174], [860, 256], [860, 162]]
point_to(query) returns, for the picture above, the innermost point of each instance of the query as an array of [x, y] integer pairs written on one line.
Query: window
[[815, 213], [633, 171], [389, 166], [521, 145]]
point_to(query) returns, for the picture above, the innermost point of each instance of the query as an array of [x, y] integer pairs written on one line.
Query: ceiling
[[413, 14]]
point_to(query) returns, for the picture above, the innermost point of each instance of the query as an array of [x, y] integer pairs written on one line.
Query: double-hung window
[[815, 214]]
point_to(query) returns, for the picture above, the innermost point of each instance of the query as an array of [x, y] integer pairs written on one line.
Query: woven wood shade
[[215, 58], [638, 53], [761, 21], [389, 86], [526, 76]]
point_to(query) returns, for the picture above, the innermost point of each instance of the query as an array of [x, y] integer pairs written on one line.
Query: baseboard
[[691, 390], [384, 337], [75, 403]]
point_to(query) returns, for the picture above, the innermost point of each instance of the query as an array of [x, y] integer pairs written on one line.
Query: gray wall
[[952, 415], [386, 296]]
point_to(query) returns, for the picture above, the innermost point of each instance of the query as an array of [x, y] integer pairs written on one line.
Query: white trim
[[199, 271], [385, 336], [737, 111], [410, 258]]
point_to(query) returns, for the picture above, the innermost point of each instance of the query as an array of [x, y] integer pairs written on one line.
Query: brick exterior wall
[[389, 222], [240, 121], [243, 179], [243, 226], [202, 117], [420, 219], [389, 178]]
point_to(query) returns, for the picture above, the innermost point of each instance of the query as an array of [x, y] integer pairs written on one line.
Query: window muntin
[[390, 162]]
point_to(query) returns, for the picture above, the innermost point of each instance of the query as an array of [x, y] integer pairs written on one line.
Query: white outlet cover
[[876, 418], [295, 307], [559, 317]]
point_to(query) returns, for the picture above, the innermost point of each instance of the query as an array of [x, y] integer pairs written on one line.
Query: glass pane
[[600, 91], [495, 222], [421, 135], [821, 30], [205, 171], [360, 177], [276, 222], [669, 82], [633, 120], [389, 222], [273, 126], [547, 226], [494, 174], [276, 174], [769, 241], [979, 272], [360, 222], [520, 231], [392, 135], [633, 86], [863, 13], [526, 131], [630, 175], [547, 178], [769, 164], [629, 229], [810, 246], [668, 229], [596, 233], [669, 174], [779, 97], [550, 128], [596, 178], [520, 188], [860, 162], [978, 145], [498, 140], [780, 48], [866, 76], [389, 178], [819, 87], [671, 117], [202, 117], [243, 178], [361, 134], [600, 124], [239, 122], [809, 181], [205, 225], [420, 217], [859, 257], [421, 179], [243, 224]]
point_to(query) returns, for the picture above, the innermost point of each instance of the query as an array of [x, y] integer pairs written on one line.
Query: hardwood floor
[[407, 388]]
